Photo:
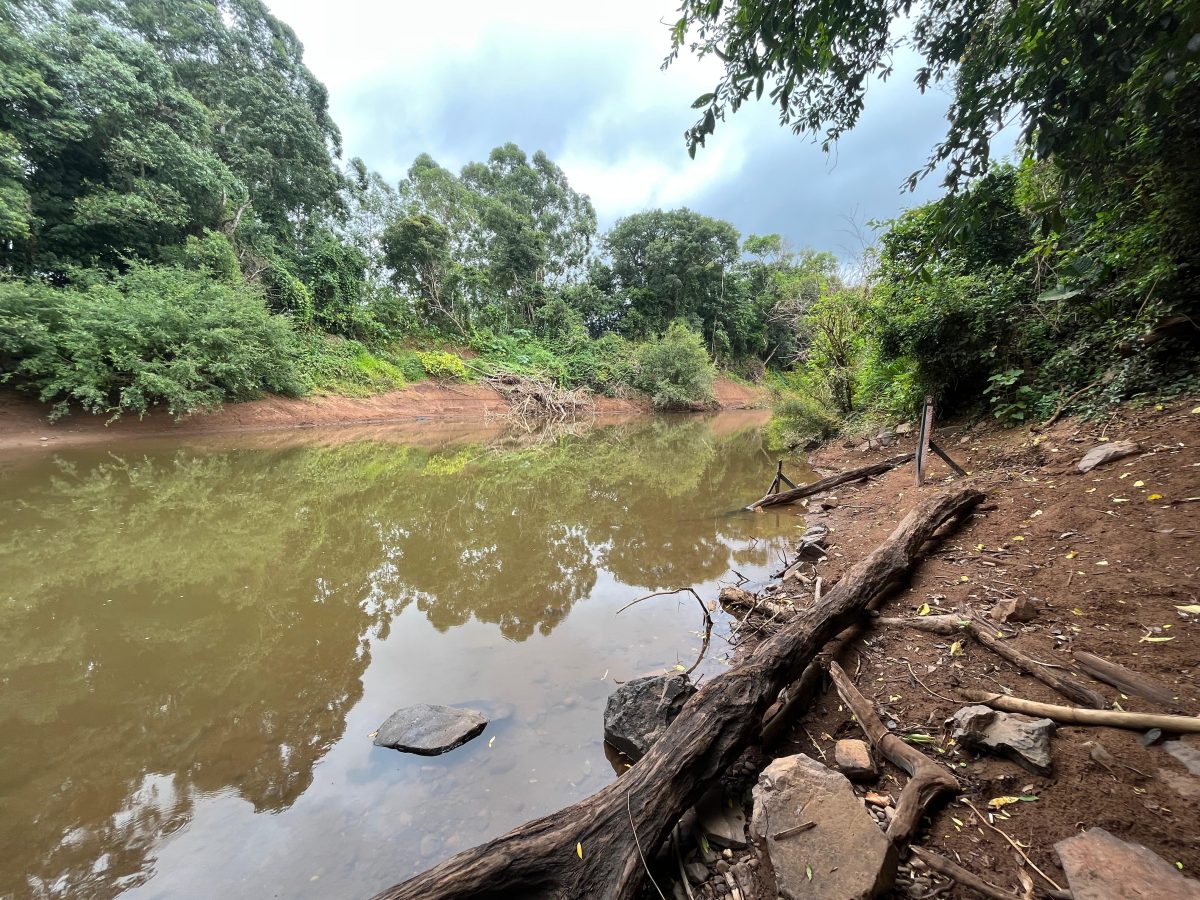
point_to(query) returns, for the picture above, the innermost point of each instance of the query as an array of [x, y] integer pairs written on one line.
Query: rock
[[829, 503], [1102, 867], [1106, 453], [854, 760], [903, 428], [813, 539], [864, 446], [1025, 740], [639, 711], [429, 730], [847, 853], [1018, 609], [886, 437], [697, 872], [722, 819], [1185, 753]]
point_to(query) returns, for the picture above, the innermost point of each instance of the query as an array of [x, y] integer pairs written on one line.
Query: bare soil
[[1107, 557], [24, 424]]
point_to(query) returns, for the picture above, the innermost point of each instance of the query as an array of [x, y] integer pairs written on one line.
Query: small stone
[[1017, 609], [903, 428], [864, 446], [723, 864], [847, 854], [640, 710], [428, 730], [1106, 453], [876, 799], [722, 820], [853, 758], [696, 871], [1151, 737], [829, 503], [1102, 867], [1025, 740], [726, 854]]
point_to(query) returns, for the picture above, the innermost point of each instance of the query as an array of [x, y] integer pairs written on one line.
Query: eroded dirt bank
[[24, 423], [1107, 561]]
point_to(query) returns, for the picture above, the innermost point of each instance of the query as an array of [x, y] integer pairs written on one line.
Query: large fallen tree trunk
[[782, 498], [594, 848]]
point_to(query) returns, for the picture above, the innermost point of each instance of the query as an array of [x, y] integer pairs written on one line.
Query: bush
[[675, 369], [346, 367], [155, 335], [802, 410], [442, 365]]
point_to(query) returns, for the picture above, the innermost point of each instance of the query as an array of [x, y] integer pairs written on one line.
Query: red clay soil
[[24, 423], [1107, 557]]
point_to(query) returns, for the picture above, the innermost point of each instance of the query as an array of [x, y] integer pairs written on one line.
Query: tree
[[1069, 72], [418, 249], [672, 265]]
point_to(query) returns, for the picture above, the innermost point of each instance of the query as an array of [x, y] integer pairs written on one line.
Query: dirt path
[[1106, 558], [24, 424]]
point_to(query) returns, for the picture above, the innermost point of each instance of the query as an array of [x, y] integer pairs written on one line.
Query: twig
[[955, 872], [708, 622], [983, 819], [794, 830], [638, 841], [814, 743], [924, 685]]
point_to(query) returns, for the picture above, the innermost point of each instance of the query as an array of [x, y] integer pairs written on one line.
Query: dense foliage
[[176, 228]]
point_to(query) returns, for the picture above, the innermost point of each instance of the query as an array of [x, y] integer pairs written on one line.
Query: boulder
[[639, 711], [429, 730], [1102, 867], [854, 760], [1025, 740], [1108, 452], [843, 856]]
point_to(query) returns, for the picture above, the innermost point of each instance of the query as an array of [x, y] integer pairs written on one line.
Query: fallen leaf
[[1155, 497], [1126, 474], [1001, 802], [963, 578], [808, 872], [1018, 537], [1090, 491], [956, 649], [924, 609], [679, 668], [1139, 483], [1077, 611], [373, 734], [979, 546], [925, 738], [1072, 555], [1156, 640], [1192, 608], [1102, 562], [579, 849], [1120, 499]]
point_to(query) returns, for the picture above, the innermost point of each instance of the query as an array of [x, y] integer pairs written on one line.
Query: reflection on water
[[196, 643]]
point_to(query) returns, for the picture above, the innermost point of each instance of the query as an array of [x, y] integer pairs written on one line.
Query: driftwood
[[590, 849], [1125, 680], [955, 872], [785, 497], [928, 780], [1070, 715], [982, 631], [746, 603]]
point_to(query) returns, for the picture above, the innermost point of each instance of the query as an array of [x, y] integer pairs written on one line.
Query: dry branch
[[784, 497], [955, 872], [1125, 680], [928, 780], [1070, 715], [590, 849]]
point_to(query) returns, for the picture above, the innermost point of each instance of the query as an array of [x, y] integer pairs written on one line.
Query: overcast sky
[[582, 81]]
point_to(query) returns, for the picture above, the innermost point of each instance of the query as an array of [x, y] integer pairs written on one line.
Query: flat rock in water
[[1106, 453], [640, 710], [1102, 867], [429, 730], [844, 856], [1022, 739]]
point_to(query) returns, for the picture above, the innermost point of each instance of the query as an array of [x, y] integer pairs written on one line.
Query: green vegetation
[[177, 229], [1069, 275]]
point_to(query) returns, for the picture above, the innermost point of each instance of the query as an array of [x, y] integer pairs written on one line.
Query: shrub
[[346, 367], [442, 365], [675, 369], [155, 335]]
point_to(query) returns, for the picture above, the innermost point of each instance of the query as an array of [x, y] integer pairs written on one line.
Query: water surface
[[197, 642]]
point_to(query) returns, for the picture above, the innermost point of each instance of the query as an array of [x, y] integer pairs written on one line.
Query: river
[[196, 642]]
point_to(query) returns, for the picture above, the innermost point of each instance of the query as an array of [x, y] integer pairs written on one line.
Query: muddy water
[[196, 644]]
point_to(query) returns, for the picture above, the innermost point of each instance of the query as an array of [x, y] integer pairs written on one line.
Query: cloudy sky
[[582, 81]]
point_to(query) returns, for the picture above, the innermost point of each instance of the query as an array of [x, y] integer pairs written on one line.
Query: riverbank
[[24, 423], [1101, 562]]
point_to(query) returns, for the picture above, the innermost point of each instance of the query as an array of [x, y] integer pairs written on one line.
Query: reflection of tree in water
[[201, 621]]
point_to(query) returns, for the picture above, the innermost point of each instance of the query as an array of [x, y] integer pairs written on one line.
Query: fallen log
[[591, 849], [955, 872], [928, 780], [783, 498], [1070, 715], [1125, 680]]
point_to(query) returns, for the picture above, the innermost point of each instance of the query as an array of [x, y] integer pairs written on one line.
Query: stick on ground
[[1125, 680], [928, 780], [955, 872], [785, 497], [1070, 715]]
